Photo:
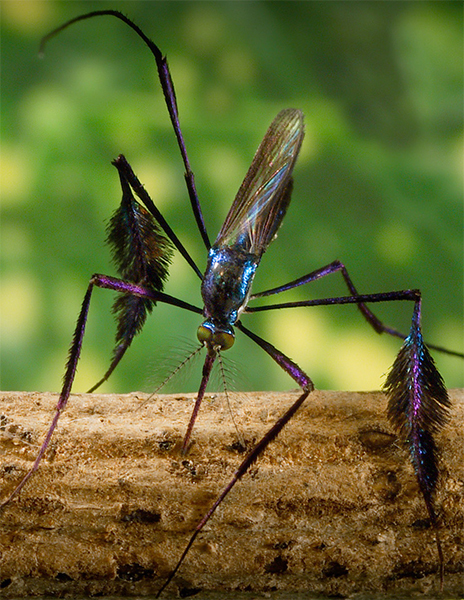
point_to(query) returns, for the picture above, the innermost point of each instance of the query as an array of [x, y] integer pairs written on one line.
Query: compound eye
[[221, 340], [204, 334], [224, 340]]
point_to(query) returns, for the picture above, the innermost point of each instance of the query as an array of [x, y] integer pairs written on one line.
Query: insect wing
[[263, 197]]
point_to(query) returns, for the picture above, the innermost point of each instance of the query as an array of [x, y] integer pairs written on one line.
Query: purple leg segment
[[355, 298], [208, 365], [333, 267], [102, 281]]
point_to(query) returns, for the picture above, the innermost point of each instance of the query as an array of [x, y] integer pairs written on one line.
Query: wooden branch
[[331, 507]]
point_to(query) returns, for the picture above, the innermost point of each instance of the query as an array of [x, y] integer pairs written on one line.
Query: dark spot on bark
[[63, 577], [237, 447], [140, 515], [375, 440], [386, 485], [188, 464], [166, 445], [334, 569], [421, 524], [187, 592], [134, 572], [413, 569], [281, 545], [278, 565]]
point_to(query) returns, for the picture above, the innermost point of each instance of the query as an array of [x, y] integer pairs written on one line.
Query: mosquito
[[143, 242]]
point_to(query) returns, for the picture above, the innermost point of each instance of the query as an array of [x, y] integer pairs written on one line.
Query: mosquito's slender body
[[251, 224], [142, 243]]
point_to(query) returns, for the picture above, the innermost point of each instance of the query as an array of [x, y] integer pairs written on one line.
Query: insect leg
[[418, 408], [169, 96], [207, 366], [333, 267], [126, 172], [102, 281], [307, 386], [358, 299], [418, 401], [142, 255]]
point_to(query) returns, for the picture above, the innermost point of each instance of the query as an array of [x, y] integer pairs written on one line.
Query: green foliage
[[378, 184]]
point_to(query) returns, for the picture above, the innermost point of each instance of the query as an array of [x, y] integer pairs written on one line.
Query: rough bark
[[331, 507]]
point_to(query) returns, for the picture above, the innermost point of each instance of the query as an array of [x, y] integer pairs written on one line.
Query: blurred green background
[[378, 183]]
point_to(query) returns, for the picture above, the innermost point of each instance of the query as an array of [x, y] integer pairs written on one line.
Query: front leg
[[102, 281]]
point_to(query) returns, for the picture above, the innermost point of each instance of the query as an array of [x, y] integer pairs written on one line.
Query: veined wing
[[263, 197]]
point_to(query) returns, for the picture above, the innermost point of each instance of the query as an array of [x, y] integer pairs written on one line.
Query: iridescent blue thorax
[[250, 226], [226, 286]]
